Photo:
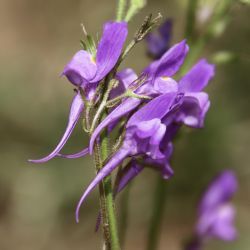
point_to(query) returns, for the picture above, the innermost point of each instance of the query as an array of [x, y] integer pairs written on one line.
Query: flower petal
[[127, 174], [193, 109], [170, 62], [157, 108], [220, 190], [80, 154], [74, 115], [165, 85], [166, 30], [119, 156], [81, 68], [197, 78], [109, 48], [126, 77], [158, 43], [147, 128], [223, 227], [124, 108], [166, 171], [218, 222]]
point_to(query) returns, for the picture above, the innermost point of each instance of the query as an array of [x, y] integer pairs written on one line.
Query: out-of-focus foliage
[[37, 202]]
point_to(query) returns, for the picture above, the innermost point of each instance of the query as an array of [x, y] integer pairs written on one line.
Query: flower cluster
[[152, 106]]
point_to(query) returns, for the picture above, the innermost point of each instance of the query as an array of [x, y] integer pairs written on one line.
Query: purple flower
[[85, 71], [158, 43], [216, 213], [145, 131]]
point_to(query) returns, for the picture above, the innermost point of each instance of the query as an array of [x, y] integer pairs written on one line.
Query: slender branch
[[159, 200], [124, 214], [190, 23]]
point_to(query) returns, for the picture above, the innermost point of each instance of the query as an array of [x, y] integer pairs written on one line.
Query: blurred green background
[[37, 202]]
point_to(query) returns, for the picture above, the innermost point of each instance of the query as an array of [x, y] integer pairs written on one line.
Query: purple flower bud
[[159, 42]]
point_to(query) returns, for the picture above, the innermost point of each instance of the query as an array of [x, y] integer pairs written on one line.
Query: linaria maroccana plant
[[149, 109]]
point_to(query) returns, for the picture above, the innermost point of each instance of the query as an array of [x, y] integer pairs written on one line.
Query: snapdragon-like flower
[[158, 82], [86, 71], [159, 42], [215, 212], [196, 102], [145, 131]]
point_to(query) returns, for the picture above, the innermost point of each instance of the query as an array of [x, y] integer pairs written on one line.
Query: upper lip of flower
[[108, 53]]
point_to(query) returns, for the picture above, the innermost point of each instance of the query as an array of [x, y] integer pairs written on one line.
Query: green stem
[[110, 209], [120, 10], [110, 232], [157, 214], [102, 199], [124, 214], [190, 23]]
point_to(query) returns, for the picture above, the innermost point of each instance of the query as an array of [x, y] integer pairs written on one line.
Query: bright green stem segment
[[120, 10], [124, 213], [134, 8], [110, 225], [191, 14], [159, 200]]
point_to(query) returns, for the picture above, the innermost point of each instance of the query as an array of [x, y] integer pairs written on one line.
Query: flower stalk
[[101, 153], [110, 232], [159, 200]]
